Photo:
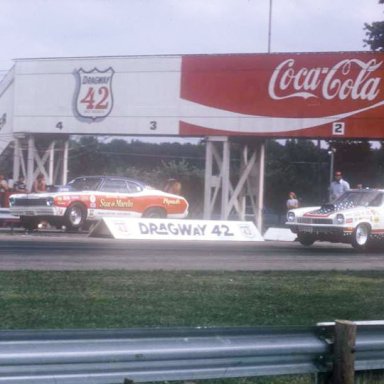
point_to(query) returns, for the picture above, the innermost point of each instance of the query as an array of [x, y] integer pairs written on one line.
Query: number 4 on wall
[[338, 128]]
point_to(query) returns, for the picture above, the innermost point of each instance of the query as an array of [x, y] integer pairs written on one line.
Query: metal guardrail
[[142, 355]]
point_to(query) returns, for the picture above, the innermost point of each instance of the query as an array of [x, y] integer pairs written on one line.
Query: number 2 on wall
[[338, 128]]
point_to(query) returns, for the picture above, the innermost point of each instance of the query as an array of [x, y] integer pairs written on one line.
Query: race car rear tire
[[75, 216], [155, 212], [29, 223], [360, 237], [306, 239]]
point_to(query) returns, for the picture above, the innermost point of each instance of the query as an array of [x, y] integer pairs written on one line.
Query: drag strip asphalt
[[63, 251]]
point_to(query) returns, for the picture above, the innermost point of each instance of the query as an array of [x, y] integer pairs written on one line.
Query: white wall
[[6, 109], [144, 89]]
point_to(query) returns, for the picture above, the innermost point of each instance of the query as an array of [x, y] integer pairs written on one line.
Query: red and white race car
[[89, 198]]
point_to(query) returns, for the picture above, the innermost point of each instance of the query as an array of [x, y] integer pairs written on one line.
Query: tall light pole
[[270, 26], [331, 152]]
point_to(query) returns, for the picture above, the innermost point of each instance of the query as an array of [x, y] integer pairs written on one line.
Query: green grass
[[122, 299], [117, 299]]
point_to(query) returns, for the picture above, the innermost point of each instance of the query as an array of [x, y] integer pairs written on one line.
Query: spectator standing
[[338, 186], [173, 186], [4, 192], [11, 183], [39, 184], [292, 201]]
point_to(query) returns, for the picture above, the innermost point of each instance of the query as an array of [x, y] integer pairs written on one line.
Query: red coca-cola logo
[[307, 85], [348, 78]]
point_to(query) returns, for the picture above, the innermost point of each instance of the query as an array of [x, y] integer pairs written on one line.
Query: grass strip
[[116, 299], [123, 299]]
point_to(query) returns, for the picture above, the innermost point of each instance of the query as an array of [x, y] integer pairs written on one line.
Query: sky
[[78, 28]]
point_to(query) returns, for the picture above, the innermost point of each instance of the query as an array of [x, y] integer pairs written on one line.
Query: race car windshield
[[85, 184], [358, 198]]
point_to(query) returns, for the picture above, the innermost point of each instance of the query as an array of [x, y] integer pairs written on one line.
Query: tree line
[[299, 165], [375, 34]]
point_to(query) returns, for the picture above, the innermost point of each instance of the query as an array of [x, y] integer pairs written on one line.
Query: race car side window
[[85, 184], [377, 201], [114, 185], [133, 187]]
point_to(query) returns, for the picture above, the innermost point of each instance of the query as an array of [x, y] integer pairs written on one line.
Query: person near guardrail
[[338, 186]]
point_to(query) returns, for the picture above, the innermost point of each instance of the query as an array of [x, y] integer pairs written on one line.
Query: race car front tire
[[75, 217], [29, 223], [306, 239], [360, 237]]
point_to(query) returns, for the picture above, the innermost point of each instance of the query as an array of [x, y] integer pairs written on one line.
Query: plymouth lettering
[[168, 201], [350, 78]]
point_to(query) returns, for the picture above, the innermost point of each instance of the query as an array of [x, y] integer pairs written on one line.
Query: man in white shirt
[[338, 187]]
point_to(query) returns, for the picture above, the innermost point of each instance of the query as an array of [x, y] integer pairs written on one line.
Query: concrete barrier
[[279, 234]]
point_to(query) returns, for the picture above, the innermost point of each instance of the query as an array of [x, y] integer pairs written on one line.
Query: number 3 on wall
[[338, 128]]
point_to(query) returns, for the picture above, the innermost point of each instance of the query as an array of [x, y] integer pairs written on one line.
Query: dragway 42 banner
[[165, 229]]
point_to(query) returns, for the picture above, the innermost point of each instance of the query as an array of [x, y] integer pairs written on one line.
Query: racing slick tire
[[75, 217], [155, 212], [360, 237], [306, 239], [29, 223]]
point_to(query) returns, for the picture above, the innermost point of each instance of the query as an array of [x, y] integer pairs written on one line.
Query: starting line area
[[165, 229]]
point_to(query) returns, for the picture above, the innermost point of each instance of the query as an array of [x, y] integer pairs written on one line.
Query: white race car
[[356, 217]]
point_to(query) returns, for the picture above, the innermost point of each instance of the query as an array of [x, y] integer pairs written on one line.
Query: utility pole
[[270, 26]]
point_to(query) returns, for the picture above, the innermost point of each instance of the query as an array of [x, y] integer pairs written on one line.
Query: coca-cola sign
[[339, 82], [285, 94]]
